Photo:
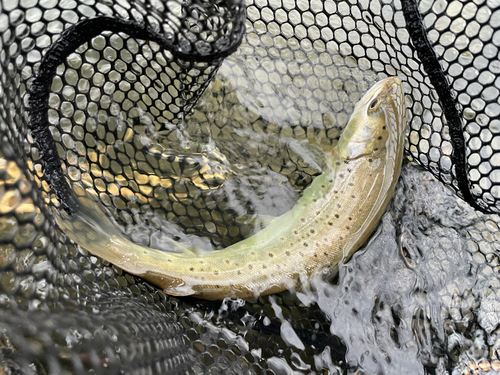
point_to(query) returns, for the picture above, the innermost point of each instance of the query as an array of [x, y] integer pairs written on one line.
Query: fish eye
[[373, 104]]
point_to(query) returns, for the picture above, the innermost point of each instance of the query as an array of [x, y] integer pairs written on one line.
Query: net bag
[[178, 117]]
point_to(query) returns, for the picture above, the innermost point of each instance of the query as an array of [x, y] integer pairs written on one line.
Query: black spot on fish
[[253, 253], [315, 255], [216, 272], [250, 266], [337, 216], [227, 261], [330, 223], [346, 161], [326, 239], [301, 253], [347, 227], [264, 266], [317, 244], [349, 170], [287, 253], [318, 212], [379, 138], [322, 186], [302, 219], [296, 232], [335, 191], [384, 127], [325, 253], [191, 269], [239, 272], [338, 163], [341, 237], [353, 196], [341, 175], [314, 200], [312, 230], [271, 255], [217, 286], [338, 205], [305, 244], [169, 260], [350, 218], [370, 160]]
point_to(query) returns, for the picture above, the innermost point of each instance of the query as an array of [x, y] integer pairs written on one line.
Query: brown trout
[[334, 217]]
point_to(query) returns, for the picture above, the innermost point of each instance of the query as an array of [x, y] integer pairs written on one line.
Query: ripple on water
[[408, 302]]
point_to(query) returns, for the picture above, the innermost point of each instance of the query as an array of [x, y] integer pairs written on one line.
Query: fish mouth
[[390, 86], [390, 81], [394, 86]]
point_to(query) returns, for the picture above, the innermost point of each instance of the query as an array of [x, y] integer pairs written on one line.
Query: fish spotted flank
[[333, 218]]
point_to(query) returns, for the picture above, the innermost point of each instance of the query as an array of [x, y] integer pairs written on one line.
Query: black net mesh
[[182, 118]]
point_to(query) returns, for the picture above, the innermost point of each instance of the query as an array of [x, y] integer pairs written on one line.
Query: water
[[412, 300], [421, 295]]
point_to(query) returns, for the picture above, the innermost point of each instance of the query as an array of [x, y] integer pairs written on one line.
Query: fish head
[[378, 121]]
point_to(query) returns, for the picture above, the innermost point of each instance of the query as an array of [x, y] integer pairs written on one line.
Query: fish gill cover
[[181, 118]]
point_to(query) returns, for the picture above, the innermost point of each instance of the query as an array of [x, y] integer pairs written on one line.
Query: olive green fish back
[[182, 118]]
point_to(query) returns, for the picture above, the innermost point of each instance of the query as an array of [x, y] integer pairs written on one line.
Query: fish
[[334, 217]]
